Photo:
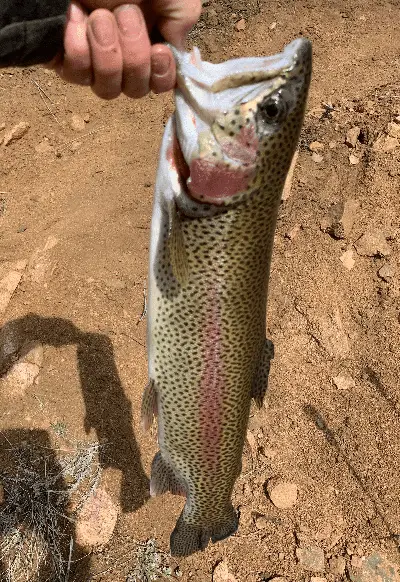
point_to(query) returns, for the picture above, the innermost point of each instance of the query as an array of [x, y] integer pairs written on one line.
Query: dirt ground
[[75, 203]]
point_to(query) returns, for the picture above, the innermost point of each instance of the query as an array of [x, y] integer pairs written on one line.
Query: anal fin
[[149, 405], [260, 381], [163, 478], [176, 246]]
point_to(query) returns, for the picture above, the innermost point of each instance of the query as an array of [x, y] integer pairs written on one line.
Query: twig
[[44, 100], [71, 545]]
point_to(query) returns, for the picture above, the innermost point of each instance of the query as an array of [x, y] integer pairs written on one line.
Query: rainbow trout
[[223, 163]]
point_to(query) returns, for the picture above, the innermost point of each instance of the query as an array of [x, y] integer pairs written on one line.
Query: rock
[[374, 568], [386, 144], [16, 132], [393, 129], [347, 259], [24, 372], [76, 122], [9, 283], [352, 137], [340, 219], [44, 147], [372, 244], [241, 25], [40, 265], [353, 160], [316, 146], [337, 565], [386, 272], [356, 561], [317, 158], [96, 520], [293, 232], [343, 382], [311, 558], [74, 145], [221, 573], [327, 329], [261, 522], [283, 494], [289, 178]]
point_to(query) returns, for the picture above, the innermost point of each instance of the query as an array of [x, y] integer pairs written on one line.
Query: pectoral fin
[[260, 381], [176, 246], [149, 405]]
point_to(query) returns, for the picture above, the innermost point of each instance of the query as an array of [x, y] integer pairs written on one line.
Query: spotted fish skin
[[223, 163]]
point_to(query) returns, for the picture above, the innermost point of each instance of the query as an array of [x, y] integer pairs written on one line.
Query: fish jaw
[[223, 126]]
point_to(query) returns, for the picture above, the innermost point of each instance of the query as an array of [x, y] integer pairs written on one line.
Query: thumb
[[175, 19]]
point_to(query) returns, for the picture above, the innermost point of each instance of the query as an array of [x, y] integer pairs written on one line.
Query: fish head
[[237, 124]]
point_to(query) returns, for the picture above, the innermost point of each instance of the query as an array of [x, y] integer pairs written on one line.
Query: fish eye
[[273, 109]]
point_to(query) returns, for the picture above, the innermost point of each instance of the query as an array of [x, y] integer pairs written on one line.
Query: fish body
[[223, 163]]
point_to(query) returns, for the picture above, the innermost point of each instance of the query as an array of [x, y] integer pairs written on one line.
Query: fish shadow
[[107, 409]]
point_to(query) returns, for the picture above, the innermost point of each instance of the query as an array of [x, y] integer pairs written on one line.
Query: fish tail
[[187, 538]]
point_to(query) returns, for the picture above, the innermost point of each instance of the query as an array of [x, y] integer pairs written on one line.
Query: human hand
[[109, 48]]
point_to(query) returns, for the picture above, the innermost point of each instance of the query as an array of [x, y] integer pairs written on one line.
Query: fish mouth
[[220, 164]]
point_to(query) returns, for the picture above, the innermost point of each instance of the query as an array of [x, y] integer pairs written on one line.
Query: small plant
[[151, 564]]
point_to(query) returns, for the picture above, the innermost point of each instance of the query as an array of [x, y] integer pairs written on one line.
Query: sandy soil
[[76, 204]]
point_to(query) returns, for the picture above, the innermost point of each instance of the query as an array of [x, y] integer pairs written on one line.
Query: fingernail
[[76, 13], [103, 29], [129, 19], [160, 64]]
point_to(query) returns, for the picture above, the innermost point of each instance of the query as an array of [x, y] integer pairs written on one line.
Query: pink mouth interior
[[215, 180]]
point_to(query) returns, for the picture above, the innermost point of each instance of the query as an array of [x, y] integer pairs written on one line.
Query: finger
[[135, 46], [163, 70], [106, 54], [76, 66], [176, 19]]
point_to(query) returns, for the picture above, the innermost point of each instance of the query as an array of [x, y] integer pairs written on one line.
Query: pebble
[[332, 144], [386, 272], [2, 126], [241, 25], [374, 568], [77, 122], [343, 382], [372, 244], [328, 330], [316, 146], [16, 132], [293, 232], [317, 158], [289, 178], [352, 137], [221, 573], [340, 219], [272, 26], [261, 522], [393, 129], [96, 520], [283, 494], [386, 144], [354, 160], [311, 558], [337, 565], [348, 260], [43, 147]]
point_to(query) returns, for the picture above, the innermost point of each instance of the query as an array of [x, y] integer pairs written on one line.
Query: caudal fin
[[188, 538]]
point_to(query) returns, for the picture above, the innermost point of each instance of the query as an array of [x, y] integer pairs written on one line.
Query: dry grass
[[42, 494]]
